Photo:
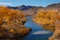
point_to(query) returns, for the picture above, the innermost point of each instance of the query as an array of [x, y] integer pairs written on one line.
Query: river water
[[37, 33]]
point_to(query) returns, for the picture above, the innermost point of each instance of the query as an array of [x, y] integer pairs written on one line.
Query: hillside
[[49, 20], [28, 10], [12, 24], [57, 5]]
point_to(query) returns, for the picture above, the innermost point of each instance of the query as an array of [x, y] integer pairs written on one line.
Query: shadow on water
[[35, 27]]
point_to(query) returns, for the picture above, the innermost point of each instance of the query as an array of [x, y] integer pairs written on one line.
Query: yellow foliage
[[11, 30], [50, 20], [11, 22], [47, 18]]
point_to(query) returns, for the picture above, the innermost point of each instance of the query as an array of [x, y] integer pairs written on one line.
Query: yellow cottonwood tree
[[46, 18], [12, 22], [50, 20]]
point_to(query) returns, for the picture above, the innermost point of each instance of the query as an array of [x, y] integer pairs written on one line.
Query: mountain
[[28, 10], [56, 5], [23, 7], [31, 11]]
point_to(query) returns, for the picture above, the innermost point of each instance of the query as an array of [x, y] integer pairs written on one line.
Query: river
[[37, 33]]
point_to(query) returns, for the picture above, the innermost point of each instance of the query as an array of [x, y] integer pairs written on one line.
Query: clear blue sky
[[28, 2]]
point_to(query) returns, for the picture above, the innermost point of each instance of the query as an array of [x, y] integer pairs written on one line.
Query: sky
[[28, 2]]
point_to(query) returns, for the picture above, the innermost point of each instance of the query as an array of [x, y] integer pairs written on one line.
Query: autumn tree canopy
[[50, 20], [12, 23], [47, 18]]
